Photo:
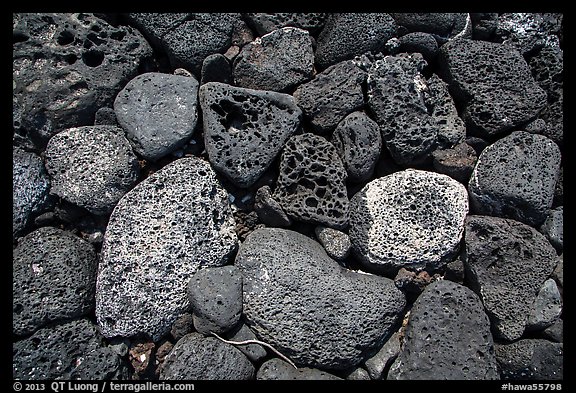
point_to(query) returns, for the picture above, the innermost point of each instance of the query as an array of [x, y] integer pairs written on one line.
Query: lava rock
[[269, 210], [277, 61], [331, 95], [443, 25], [101, 364], [265, 23], [531, 359], [455, 271], [451, 128], [537, 126], [183, 325], [506, 263], [515, 178], [254, 352], [412, 219], [484, 25], [358, 141], [526, 32], [216, 68], [493, 83], [319, 306], [558, 274], [347, 35], [548, 70], [478, 144], [553, 228], [54, 279], [279, 370], [197, 358], [91, 166], [30, 187], [396, 98], [446, 314], [158, 112], [358, 374], [105, 117], [216, 299], [67, 66], [336, 243], [311, 185], [419, 42], [546, 308], [458, 162], [245, 129], [173, 223], [553, 114], [412, 282], [377, 363], [554, 332]]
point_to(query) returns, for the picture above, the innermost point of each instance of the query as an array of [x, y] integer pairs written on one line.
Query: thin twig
[[246, 342]]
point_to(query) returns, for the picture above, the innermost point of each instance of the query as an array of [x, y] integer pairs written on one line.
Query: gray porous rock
[[447, 337], [527, 32], [91, 166], [558, 274], [554, 332], [308, 307], [264, 23], [506, 264], [277, 61], [105, 116], [67, 66], [336, 243], [553, 114], [173, 223], [358, 374], [311, 185], [531, 359], [377, 363], [484, 25], [331, 95], [216, 68], [411, 218], [183, 325], [269, 210], [101, 364], [547, 307], [245, 129], [493, 84], [515, 178], [254, 352], [457, 162], [158, 112], [280, 370], [419, 42], [451, 128], [553, 228], [443, 25], [548, 70], [195, 357]]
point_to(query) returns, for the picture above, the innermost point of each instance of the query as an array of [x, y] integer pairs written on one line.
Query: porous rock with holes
[[553, 228], [547, 307], [419, 42], [457, 162], [442, 25], [264, 23], [311, 185], [527, 32], [531, 359], [245, 129], [173, 223], [307, 306], [279, 370]]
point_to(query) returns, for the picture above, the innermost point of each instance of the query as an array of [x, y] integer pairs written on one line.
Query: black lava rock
[[553, 228], [216, 68], [264, 23], [419, 42], [451, 128], [531, 359], [254, 352], [458, 162], [441, 24], [269, 210], [105, 117], [279, 370], [101, 364]]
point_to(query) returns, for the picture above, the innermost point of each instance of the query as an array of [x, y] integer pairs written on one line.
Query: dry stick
[[255, 342]]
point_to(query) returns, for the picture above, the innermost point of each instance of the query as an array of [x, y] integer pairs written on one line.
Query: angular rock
[[331, 95], [495, 98], [419, 42], [336, 243], [553, 228], [269, 210], [67, 66], [515, 178], [553, 114], [311, 185], [279, 370], [158, 112], [548, 70], [91, 166], [216, 68], [484, 25], [183, 325], [478, 144], [264, 23], [30, 187], [198, 358], [277, 61], [308, 307], [377, 363], [537, 126], [455, 271], [526, 32], [99, 365], [458, 162], [216, 299], [173, 223], [254, 352], [451, 128], [412, 219], [554, 332], [558, 274], [348, 34], [396, 98], [54, 279], [547, 307], [444, 316], [358, 141], [105, 117], [442, 25], [358, 374], [531, 359], [506, 263], [245, 129]]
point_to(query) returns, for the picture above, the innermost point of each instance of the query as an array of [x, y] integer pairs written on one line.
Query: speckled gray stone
[[336, 243], [553, 228], [547, 307]]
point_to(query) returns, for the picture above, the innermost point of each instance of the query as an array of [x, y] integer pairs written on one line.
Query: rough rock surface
[[318, 304], [553, 228], [91, 166], [546, 308], [173, 223], [506, 263], [269, 210], [264, 23], [216, 68], [524, 31], [67, 66], [441, 24], [54, 278], [279, 370], [531, 359], [548, 70], [411, 218], [555, 332], [198, 358], [336, 243], [558, 274], [451, 128], [419, 42], [377, 363], [445, 315], [358, 374], [245, 129], [515, 178], [458, 162], [311, 185], [254, 352], [101, 364], [158, 112]]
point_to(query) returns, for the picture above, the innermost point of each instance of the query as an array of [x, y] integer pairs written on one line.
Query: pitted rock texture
[[332, 95], [531, 359], [506, 263], [269, 210], [276, 61], [173, 223], [279, 370], [264, 23], [358, 141], [419, 42], [195, 357], [445, 315], [67, 66], [548, 70], [245, 129], [515, 178], [101, 364], [451, 128], [54, 278], [216, 68], [347, 35], [396, 98], [158, 112], [336, 243], [309, 308], [30, 188], [254, 352], [311, 186], [553, 228], [410, 218], [546, 308], [526, 32], [91, 166], [457, 162], [441, 24], [494, 84]]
